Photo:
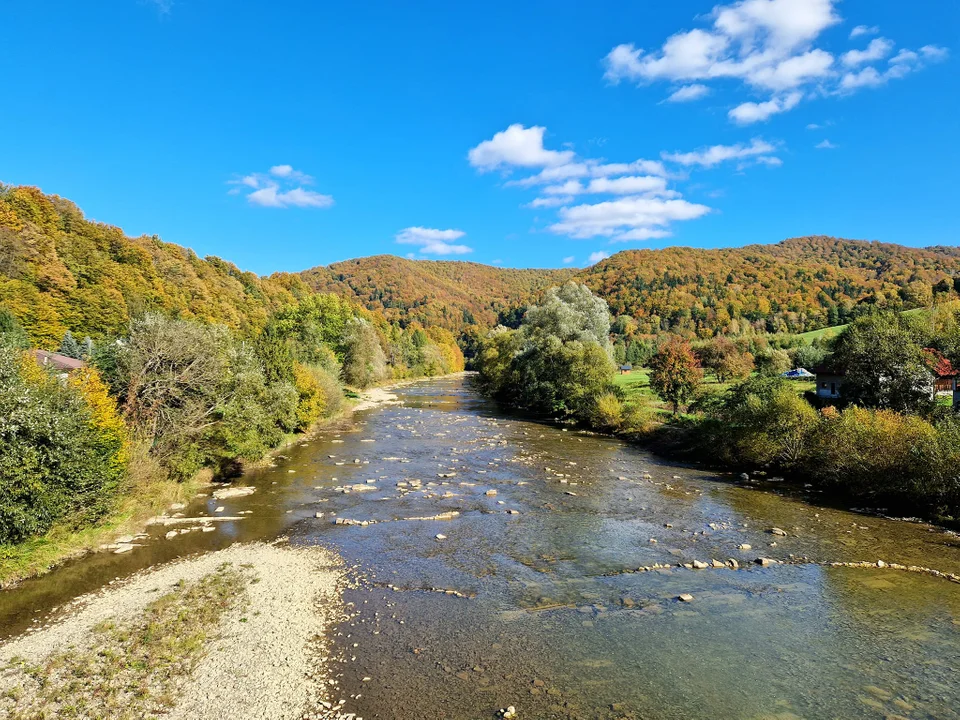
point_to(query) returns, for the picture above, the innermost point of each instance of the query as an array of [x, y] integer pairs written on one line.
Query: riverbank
[[150, 493], [265, 654]]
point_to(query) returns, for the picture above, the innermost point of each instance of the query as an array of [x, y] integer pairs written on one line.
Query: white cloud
[[900, 65], [751, 112], [688, 93], [642, 234], [825, 145], [570, 187], [597, 256], [568, 259], [864, 30], [767, 45], [548, 202], [749, 40], [626, 185], [708, 157], [281, 187], [616, 218], [813, 126], [878, 49], [517, 146], [585, 168], [934, 53], [639, 202], [433, 241], [868, 77], [297, 197]]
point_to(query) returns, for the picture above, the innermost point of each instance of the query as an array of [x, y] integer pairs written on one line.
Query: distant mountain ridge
[[452, 293], [60, 271]]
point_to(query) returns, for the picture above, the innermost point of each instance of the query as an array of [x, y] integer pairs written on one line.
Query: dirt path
[[266, 658]]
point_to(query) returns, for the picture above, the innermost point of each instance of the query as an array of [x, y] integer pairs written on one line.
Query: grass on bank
[[130, 668], [636, 388]]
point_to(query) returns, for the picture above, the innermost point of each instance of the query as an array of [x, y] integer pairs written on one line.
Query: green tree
[[12, 335], [70, 347], [885, 365], [364, 362], [808, 356], [60, 461], [772, 361], [570, 312], [675, 373]]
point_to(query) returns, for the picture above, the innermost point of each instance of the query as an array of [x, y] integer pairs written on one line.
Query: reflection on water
[[553, 620]]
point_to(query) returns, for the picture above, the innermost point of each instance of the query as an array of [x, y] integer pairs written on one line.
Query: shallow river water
[[546, 610]]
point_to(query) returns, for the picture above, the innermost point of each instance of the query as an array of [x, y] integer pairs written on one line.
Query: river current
[[530, 595]]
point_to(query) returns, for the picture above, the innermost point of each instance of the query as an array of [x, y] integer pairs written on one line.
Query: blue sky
[[286, 135]]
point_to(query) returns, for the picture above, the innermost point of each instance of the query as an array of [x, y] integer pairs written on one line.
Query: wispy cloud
[[767, 45], [708, 157], [568, 259], [280, 187], [825, 145], [751, 112], [900, 65], [598, 256], [688, 93], [864, 30], [432, 241]]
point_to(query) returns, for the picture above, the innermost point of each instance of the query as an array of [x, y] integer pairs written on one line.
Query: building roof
[[939, 365], [58, 361]]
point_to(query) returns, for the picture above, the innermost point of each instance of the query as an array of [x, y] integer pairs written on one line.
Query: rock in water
[[685, 597]]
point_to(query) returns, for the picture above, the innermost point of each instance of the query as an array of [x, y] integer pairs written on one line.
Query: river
[[531, 598]]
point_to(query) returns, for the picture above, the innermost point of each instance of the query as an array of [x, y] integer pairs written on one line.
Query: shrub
[[606, 412], [319, 393], [872, 451], [63, 449]]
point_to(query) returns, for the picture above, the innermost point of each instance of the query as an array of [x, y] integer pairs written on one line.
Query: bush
[[319, 394], [63, 449], [606, 412], [865, 451]]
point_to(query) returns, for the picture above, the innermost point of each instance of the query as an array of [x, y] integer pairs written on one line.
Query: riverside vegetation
[[194, 366], [889, 443]]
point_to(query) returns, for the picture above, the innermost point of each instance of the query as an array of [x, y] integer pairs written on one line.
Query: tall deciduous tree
[[363, 360], [885, 363], [675, 373]]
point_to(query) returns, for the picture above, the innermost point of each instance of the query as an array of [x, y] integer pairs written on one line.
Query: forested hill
[[453, 294], [795, 285], [59, 271]]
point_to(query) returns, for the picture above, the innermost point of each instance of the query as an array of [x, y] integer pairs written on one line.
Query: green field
[[636, 388], [829, 332]]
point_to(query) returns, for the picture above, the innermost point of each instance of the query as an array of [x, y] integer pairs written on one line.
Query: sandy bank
[[266, 659]]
